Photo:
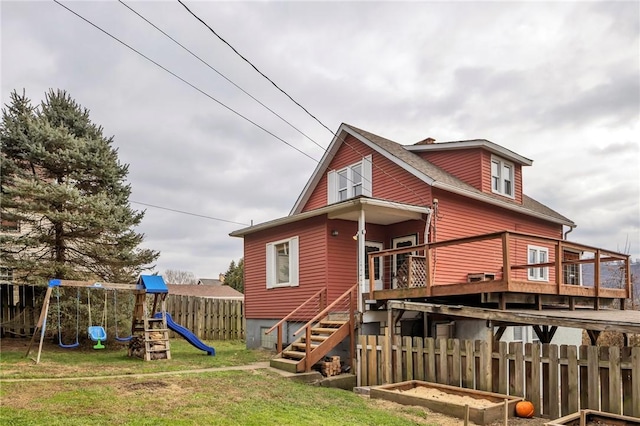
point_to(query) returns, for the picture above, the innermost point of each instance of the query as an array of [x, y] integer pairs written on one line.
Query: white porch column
[[361, 258]]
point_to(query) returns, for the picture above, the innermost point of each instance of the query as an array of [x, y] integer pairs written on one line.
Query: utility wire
[[190, 214], [253, 66], [220, 74], [206, 94], [225, 106], [335, 134], [186, 82]]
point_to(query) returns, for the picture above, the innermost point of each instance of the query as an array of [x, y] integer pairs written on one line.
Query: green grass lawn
[[86, 361], [248, 397]]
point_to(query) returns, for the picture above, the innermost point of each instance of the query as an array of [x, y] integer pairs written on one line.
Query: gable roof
[[428, 173]]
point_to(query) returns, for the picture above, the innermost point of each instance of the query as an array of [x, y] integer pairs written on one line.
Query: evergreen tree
[[61, 179], [234, 277]]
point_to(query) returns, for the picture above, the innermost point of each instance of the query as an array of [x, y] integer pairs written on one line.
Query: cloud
[[556, 82]]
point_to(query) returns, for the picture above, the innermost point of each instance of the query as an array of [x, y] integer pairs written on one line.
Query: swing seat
[[97, 334]]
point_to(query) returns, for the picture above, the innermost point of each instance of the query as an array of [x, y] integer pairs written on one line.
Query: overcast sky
[[557, 82]]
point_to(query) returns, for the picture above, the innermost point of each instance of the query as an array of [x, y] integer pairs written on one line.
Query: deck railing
[[310, 307], [499, 262], [345, 305]]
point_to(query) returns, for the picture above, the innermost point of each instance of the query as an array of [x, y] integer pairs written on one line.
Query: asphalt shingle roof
[[441, 176]]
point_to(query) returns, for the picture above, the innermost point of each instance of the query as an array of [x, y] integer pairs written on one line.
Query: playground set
[[149, 327]]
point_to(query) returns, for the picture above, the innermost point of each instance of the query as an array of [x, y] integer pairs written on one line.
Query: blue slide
[[186, 334]]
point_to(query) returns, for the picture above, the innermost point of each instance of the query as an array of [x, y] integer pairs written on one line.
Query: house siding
[[473, 166], [463, 164], [460, 217], [389, 181], [342, 258], [261, 302]]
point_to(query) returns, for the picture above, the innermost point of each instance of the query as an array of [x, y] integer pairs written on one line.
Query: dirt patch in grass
[[152, 385]]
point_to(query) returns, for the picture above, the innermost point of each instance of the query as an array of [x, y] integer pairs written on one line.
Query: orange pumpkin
[[524, 409]]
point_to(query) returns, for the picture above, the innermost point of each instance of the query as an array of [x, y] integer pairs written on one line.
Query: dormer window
[[502, 177], [349, 182]]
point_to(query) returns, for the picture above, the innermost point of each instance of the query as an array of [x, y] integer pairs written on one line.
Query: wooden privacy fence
[[559, 380], [207, 318]]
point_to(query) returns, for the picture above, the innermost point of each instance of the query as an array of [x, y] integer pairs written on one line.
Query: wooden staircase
[[319, 336], [154, 330], [322, 338]]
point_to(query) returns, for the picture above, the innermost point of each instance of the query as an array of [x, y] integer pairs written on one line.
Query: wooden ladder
[[155, 330]]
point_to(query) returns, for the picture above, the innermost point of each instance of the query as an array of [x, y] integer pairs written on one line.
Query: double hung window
[[502, 177], [349, 182], [538, 255], [282, 263]]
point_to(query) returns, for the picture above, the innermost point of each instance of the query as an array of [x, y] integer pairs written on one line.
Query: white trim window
[[352, 181], [538, 255], [6, 276], [282, 263], [502, 177]]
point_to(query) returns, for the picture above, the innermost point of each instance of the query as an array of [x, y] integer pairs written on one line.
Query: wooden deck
[[494, 266]]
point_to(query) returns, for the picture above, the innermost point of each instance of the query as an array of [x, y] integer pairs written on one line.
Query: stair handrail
[[279, 324], [307, 327], [327, 309]]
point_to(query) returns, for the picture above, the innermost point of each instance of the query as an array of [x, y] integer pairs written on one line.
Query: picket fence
[[207, 318], [559, 380]]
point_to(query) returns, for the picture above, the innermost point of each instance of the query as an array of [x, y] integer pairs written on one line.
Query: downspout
[[427, 227], [361, 258], [571, 228]]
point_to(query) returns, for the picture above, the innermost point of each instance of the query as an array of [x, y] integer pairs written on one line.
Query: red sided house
[[380, 221]]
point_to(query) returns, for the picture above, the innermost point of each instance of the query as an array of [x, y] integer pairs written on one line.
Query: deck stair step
[[324, 336], [284, 364], [303, 345], [329, 323], [294, 354], [323, 330]]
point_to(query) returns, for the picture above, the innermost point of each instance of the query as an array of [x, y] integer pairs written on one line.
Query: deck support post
[[593, 336], [545, 333], [498, 334], [502, 301]]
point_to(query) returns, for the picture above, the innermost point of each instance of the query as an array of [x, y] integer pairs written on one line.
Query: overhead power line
[[253, 66], [335, 135], [185, 81], [224, 105], [220, 74], [190, 214]]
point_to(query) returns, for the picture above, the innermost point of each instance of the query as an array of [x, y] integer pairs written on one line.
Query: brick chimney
[[427, 141]]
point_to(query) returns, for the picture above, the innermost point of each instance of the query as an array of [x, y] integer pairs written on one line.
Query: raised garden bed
[[484, 407], [595, 418]]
